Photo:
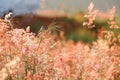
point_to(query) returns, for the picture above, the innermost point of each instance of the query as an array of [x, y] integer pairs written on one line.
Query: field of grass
[[25, 55]]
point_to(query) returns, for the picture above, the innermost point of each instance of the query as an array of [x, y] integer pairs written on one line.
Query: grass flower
[[26, 56], [90, 16]]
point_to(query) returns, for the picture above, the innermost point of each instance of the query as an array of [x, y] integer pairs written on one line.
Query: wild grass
[[25, 56]]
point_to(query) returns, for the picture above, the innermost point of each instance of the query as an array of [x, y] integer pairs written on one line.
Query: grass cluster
[[26, 56]]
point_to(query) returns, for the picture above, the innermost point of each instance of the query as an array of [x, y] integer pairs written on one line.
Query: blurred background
[[66, 14], [76, 5], [30, 6]]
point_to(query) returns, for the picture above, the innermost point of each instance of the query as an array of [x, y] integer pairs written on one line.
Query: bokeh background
[[66, 14], [29, 6]]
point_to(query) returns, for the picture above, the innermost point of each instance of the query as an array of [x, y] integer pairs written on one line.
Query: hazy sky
[[23, 6], [19, 6], [76, 5]]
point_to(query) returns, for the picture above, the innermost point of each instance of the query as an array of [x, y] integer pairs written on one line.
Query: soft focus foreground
[[27, 56]]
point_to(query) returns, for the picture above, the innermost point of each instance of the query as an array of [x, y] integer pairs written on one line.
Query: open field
[[85, 46]]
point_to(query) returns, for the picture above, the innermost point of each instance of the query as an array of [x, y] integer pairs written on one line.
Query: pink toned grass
[[24, 56]]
